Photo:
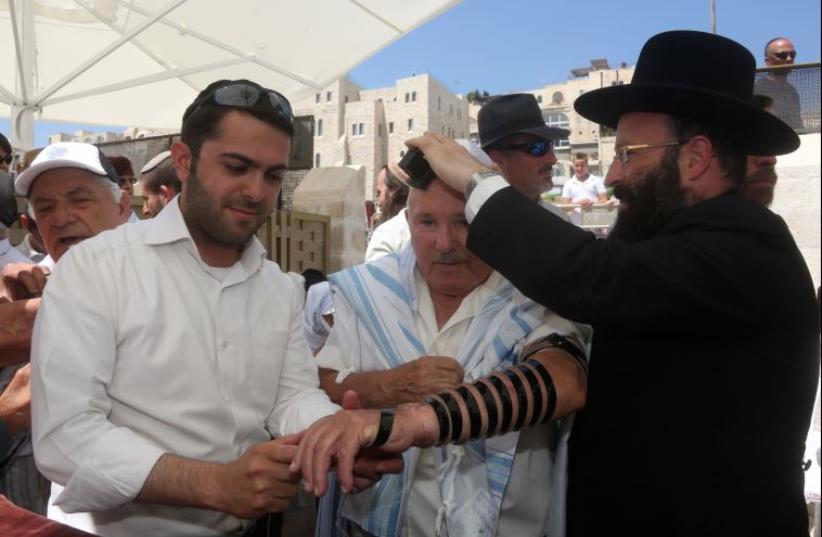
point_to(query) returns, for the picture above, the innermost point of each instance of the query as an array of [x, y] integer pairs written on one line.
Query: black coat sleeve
[[695, 274]]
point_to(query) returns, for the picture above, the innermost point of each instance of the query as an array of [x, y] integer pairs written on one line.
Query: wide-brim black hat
[[517, 113], [705, 77]]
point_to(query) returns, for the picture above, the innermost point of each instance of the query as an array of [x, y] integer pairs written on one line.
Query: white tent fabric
[[140, 62]]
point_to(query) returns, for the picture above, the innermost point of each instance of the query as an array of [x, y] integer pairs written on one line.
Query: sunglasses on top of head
[[244, 95], [534, 149]]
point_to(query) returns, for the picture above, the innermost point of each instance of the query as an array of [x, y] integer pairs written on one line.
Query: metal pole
[[713, 16], [22, 115]]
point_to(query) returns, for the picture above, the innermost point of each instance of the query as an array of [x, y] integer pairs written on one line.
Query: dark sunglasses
[[7, 159], [243, 95], [535, 149], [785, 55]]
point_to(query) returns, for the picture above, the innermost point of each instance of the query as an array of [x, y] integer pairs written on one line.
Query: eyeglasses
[[244, 95], [534, 149], [625, 152], [7, 158], [784, 56]]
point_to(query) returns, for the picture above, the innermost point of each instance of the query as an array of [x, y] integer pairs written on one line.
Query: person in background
[[122, 165], [160, 184]]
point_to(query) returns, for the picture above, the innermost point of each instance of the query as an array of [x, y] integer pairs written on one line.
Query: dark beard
[[203, 212], [653, 200]]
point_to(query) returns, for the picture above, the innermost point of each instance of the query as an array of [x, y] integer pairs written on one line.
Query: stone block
[[337, 192]]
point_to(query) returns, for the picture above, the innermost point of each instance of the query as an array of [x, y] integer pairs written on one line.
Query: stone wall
[[798, 199]]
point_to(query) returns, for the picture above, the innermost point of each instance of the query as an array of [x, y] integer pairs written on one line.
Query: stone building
[[369, 127]]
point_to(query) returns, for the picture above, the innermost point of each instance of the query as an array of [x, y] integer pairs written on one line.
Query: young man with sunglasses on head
[[779, 52], [169, 360], [515, 136]]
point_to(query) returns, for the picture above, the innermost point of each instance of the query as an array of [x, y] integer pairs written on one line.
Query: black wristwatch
[[386, 424]]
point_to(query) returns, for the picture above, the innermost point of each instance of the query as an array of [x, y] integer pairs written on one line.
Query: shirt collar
[[169, 226]]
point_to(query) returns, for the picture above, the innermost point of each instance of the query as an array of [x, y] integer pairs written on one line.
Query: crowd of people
[[489, 369]]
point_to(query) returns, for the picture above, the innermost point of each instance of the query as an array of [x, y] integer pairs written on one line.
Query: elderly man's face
[[528, 174], [436, 217], [70, 205], [760, 179]]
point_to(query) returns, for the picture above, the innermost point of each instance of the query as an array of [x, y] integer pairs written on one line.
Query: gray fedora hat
[[517, 113]]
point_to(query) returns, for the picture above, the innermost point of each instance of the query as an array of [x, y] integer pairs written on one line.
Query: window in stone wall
[[317, 160], [317, 98], [410, 124], [346, 98], [353, 129], [407, 97], [413, 96], [539, 99], [439, 103], [362, 129], [319, 127], [328, 96], [451, 109], [459, 113], [390, 127]]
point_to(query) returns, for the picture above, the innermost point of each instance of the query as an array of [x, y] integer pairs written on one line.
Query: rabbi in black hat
[[705, 353]]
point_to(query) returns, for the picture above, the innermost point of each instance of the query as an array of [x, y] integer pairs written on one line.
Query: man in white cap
[[73, 194], [160, 184]]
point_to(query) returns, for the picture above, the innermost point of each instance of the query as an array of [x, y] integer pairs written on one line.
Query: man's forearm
[[16, 323], [373, 387], [179, 481]]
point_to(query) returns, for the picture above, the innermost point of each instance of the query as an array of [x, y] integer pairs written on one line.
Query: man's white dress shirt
[[141, 349], [389, 237], [529, 491]]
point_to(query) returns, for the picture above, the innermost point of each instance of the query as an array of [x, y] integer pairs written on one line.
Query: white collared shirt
[[141, 349], [391, 236]]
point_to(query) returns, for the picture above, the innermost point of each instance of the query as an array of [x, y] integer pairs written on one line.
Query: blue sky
[[505, 46]]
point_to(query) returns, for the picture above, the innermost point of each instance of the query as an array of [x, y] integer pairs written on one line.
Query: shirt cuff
[[484, 190], [113, 474]]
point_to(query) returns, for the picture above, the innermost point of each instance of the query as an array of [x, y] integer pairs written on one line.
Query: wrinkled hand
[[343, 437], [23, 280], [415, 380], [260, 482], [450, 161], [371, 464], [15, 401], [586, 203]]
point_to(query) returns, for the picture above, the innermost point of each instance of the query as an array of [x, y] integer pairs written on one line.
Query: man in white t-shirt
[[583, 188]]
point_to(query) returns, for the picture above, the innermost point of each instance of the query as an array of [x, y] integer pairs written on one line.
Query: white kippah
[[153, 163]]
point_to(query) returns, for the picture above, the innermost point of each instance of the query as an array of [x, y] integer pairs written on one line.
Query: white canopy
[[141, 62]]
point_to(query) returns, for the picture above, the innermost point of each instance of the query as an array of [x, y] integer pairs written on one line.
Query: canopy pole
[[22, 113]]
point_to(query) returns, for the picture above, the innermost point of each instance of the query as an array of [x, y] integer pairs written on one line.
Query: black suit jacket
[[703, 367]]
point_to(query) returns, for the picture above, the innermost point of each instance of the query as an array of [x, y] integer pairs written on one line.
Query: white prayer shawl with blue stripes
[[473, 477]]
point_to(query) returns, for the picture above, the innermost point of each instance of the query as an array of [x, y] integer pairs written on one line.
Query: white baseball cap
[[66, 155], [153, 163]]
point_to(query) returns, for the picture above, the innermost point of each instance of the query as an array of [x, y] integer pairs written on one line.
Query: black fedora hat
[[705, 77], [517, 113]]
